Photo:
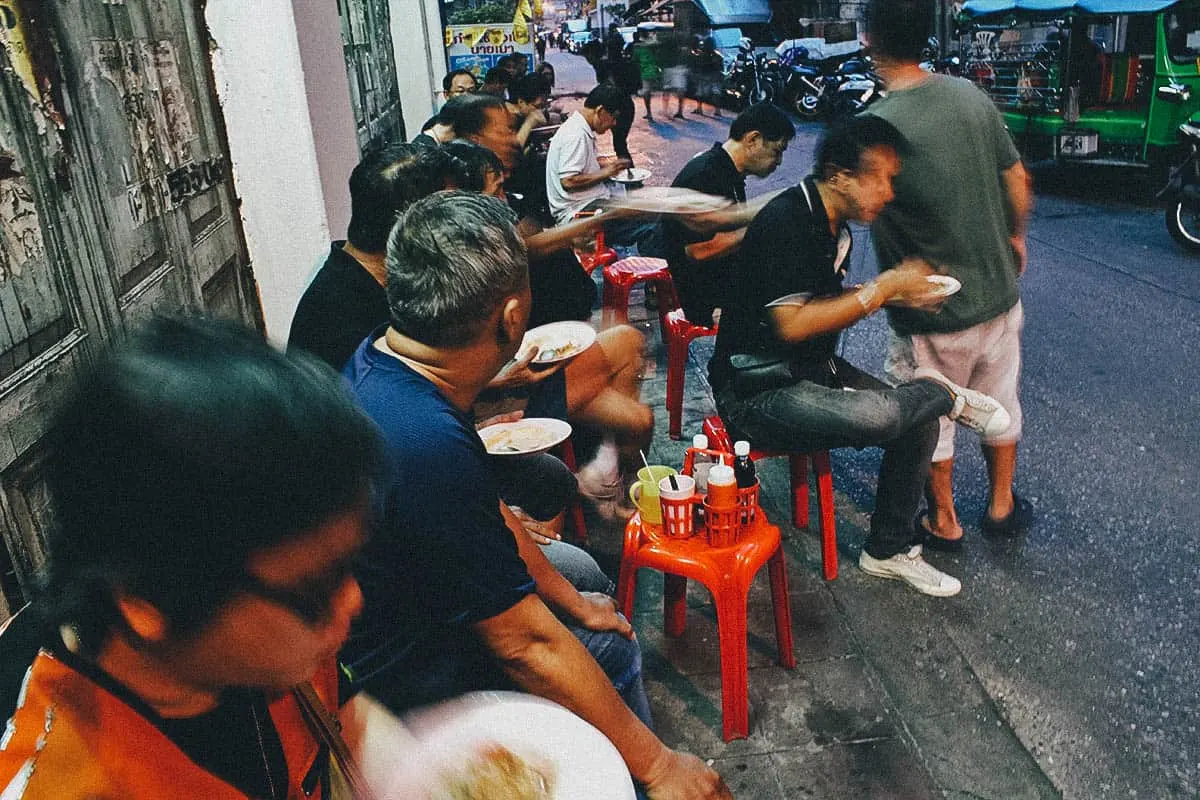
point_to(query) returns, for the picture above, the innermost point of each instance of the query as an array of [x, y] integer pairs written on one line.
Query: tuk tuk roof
[[989, 8]]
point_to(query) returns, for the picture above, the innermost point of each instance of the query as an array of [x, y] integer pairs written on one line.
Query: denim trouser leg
[[621, 660], [808, 416], [578, 567]]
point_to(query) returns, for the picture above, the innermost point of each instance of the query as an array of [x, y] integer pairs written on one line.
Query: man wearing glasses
[[210, 495]]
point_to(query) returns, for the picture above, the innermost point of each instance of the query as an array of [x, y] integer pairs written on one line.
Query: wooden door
[[115, 204]]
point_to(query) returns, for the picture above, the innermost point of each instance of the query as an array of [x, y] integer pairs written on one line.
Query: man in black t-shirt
[[701, 264], [776, 375]]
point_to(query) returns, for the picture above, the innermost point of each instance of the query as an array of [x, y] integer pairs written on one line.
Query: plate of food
[[670, 200], [631, 175], [525, 437], [507, 745], [558, 341]]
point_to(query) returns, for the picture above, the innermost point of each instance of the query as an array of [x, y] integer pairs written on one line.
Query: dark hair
[[498, 78], [529, 88], [448, 81], [448, 113], [472, 114], [900, 29], [845, 142], [180, 455], [470, 164], [605, 95], [386, 183], [453, 259], [765, 118], [543, 68]]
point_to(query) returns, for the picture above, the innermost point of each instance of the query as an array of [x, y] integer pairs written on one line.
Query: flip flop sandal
[[1016, 523], [931, 540]]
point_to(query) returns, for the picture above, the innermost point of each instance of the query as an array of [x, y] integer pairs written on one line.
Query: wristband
[[866, 295]]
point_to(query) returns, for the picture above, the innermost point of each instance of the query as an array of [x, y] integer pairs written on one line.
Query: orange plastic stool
[[718, 439], [727, 573], [620, 277]]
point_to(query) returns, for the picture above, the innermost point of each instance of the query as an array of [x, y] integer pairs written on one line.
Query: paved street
[[1068, 664]]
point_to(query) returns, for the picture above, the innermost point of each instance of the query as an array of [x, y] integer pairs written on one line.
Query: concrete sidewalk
[[883, 703]]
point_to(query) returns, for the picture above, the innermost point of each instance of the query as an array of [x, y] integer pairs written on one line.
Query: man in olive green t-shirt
[[962, 201]]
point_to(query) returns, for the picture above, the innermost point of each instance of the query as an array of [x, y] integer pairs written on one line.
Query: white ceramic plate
[[525, 437], [944, 285], [633, 175], [576, 760], [558, 341], [670, 200], [797, 299]]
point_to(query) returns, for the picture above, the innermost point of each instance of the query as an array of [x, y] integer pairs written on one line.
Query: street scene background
[[1081, 638]]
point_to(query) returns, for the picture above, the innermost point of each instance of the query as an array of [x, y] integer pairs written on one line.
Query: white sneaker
[[913, 570], [975, 410]]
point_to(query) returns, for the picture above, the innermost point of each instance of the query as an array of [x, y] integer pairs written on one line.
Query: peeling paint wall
[[260, 82]]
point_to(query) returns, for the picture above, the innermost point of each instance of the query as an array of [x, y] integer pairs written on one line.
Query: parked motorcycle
[[1183, 191], [816, 90], [751, 78]]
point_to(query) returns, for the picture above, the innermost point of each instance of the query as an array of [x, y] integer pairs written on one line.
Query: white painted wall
[[419, 44], [261, 86]]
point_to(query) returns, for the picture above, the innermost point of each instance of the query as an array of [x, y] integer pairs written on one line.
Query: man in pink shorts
[[961, 204]]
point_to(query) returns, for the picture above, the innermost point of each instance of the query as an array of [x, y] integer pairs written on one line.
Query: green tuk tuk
[[1099, 81]]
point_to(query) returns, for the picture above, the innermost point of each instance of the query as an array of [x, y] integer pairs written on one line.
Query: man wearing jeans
[[775, 372]]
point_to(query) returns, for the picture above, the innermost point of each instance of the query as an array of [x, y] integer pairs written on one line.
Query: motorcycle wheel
[[807, 105], [1183, 224]]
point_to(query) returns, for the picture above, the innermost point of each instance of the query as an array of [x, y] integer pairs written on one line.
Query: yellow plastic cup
[[644, 493]]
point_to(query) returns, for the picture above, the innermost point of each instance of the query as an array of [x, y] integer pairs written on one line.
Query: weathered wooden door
[[371, 69], [115, 204]]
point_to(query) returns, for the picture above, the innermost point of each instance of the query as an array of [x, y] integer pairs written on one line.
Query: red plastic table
[[727, 573]]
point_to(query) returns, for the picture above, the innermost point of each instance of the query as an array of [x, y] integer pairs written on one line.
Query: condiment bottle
[[701, 462], [722, 487], [743, 465]]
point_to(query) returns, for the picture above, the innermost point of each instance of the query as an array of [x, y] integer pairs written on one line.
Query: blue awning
[[735, 12], [989, 8]]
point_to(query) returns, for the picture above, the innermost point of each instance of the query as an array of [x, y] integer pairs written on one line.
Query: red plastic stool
[[679, 333], [566, 453], [727, 573], [718, 439], [620, 277], [601, 256]]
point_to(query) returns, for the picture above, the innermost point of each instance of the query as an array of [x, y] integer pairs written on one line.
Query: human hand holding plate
[[558, 341], [525, 437]]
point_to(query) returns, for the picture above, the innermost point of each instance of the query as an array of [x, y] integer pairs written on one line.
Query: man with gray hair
[[456, 597]]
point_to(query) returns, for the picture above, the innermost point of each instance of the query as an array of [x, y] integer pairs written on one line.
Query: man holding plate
[[776, 375], [456, 596], [962, 201]]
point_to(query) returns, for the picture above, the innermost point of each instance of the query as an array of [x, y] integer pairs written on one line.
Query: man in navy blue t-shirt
[[457, 597]]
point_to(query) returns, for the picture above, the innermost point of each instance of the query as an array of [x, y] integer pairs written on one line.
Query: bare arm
[[586, 180], [901, 285], [722, 244], [551, 240], [738, 215], [545, 659], [593, 611], [1019, 190]]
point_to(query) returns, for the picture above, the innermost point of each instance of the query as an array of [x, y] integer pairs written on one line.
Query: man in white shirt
[[575, 180]]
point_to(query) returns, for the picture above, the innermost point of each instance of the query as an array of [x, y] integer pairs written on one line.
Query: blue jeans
[[807, 416], [578, 567], [621, 660]]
